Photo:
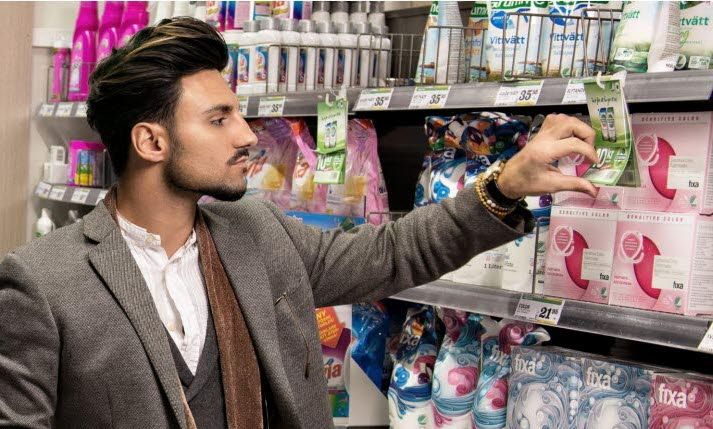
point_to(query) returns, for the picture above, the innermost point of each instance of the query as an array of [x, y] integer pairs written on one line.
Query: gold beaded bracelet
[[484, 196]]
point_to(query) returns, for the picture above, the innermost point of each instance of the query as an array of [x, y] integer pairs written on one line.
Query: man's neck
[[152, 205]]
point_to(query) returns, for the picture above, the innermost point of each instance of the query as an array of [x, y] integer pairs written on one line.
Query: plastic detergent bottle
[[182, 8], [376, 13], [289, 55], [307, 72], [108, 35], [268, 53], [358, 11], [84, 51], [340, 11], [60, 70], [164, 9], [363, 58], [381, 55], [345, 55], [320, 11], [44, 224], [327, 58], [135, 18], [232, 40]]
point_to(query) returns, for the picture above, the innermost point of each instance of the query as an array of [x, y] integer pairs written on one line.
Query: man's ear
[[150, 142]]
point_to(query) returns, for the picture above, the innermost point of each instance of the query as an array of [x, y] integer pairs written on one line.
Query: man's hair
[[141, 82]]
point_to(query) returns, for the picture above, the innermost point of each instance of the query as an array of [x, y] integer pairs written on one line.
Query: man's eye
[[218, 122]]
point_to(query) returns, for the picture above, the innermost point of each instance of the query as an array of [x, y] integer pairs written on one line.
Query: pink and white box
[[664, 262], [579, 257], [674, 154], [681, 401], [608, 197]]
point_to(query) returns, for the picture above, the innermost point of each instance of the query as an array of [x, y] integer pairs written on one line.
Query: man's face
[[208, 148]]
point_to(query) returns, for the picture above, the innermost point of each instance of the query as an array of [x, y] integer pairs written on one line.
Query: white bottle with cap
[[320, 11], [44, 224], [345, 55], [358, 11], [246, 78], [289, 55], [364, 60], [381, 55], [267, 52], [310, 41], [340, 11], [327, 59], [376, 13]]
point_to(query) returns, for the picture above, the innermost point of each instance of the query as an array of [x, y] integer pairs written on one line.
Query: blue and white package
[[370, 327], [410, 389], [615, 395], [455, 374], [544, 389]]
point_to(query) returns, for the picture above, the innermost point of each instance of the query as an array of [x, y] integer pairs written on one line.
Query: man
[[154, 312]]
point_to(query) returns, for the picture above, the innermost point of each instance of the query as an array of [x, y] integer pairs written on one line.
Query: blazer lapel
[[113, 261], [249, 279]]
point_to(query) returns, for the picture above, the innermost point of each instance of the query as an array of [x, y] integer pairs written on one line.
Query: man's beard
[[179, 181]]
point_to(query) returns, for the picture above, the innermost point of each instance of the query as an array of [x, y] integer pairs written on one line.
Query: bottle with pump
[[84, 51], [381, 55], [358, 11], [108, 35], [376, 13], [135, 18], [289, 55], [307, 73], [327, 59], [60, 70], [245, 69], [364, 58], [320, 11], [340, 11], [268, 56], [345, 55], [44, 224]]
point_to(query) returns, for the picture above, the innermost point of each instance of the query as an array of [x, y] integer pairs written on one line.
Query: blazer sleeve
[[369, 262], [29, 350]]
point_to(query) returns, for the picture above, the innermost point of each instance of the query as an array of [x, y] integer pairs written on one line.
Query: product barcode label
[[57, 193], [539, 309], [524, 93], [706, 344], [374, 99], [243, 105], [80, 195], [429, 97], [574, 93], [81, 111], [47, 109], [271, 106], [43, 190], [64, 110]]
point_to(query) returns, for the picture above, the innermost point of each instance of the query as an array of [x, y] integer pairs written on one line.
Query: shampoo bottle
[[108, 35], [84, 51]]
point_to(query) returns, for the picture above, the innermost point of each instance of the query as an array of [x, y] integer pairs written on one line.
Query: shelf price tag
[[539, 309], [57, 193], [271, 106], [101, 196], [374, 99], [81, 110], [429, 97], [47, 110], [43, 190], [64, 110], [574, 93], [525, 93], [80, 195], [706, 344], [243, 105]]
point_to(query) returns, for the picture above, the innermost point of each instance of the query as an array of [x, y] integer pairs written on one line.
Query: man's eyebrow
[[222, 108]]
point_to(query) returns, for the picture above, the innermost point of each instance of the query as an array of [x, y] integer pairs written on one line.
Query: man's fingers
[[563, 126], [561, 182], [568, 146]]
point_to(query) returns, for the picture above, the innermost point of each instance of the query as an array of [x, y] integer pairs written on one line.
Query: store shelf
[[70, 194], [647, 326]]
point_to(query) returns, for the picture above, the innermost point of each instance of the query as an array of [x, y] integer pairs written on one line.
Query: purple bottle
[[84, 51], [135, 18], [108, 35], [60, 69]]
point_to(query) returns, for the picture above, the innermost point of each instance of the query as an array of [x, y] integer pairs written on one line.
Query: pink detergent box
[[664, 262], [681, 401], [579, 257], [673, 152], [608, 197]]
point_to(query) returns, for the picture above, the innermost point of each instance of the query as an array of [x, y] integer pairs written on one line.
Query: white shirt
[[176, 286]]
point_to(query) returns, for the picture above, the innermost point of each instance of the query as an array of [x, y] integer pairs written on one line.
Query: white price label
[[271, 106], [243, 105], [706, 344], [57, 193], [43, 190], [374, 99], [524, 93], [429, 97], [542, 310], [64, 110], [102, 195], [574, 93], [47, 109], [80, 195], [81, 110]]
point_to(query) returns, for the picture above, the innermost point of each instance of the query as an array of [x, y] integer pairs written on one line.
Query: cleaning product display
[[86, 163]]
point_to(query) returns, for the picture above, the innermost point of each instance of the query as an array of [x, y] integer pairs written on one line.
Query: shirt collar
[[140, 236]]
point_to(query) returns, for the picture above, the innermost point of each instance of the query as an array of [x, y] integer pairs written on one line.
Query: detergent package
[[335, 334], [306, 195], [681, 401], [696, 35]]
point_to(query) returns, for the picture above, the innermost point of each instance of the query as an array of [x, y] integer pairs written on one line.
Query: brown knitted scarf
[[238, 361]]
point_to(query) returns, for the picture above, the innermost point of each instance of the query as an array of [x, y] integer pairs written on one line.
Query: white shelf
[[70, 194], [664, 329]]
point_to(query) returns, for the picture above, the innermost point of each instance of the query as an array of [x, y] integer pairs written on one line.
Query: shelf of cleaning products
[[70, 194], [632, 324]]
